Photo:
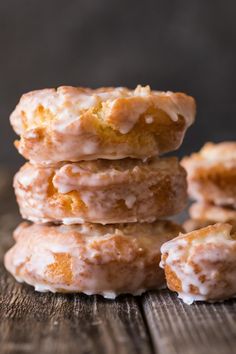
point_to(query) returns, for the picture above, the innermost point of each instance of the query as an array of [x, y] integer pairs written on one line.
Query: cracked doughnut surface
[[211, 174], [201, 265], [204, 214], [74, 123], [101, 191], [93, 259]]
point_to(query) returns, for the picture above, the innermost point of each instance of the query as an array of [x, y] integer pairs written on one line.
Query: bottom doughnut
[[93, 259], [201, 265]]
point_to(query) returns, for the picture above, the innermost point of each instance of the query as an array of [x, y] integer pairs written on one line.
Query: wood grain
[[157, 322], [32, 322], [197, 329], [48, 323]]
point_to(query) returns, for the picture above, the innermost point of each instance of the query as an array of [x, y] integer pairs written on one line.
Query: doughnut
[[211, 212], [204, 214], [74, 123], [196, 224], [93, 259], [212, 174], [101, 191], [201, 265]]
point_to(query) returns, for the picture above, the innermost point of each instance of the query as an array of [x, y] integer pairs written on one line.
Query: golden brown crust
[[101, 191], [201, 265], [196, 224], [212, 174], [89, 258], [211, 212], [73, 124], [204, 214]]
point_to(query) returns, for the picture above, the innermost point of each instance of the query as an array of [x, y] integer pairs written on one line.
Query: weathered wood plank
[[197, 329], [49, 323]]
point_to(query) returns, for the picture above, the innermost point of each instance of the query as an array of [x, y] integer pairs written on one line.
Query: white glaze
[[149, 119], [210, 212], [209, 251], [56, 101], [101, 187], [207, 168], [37, 246], [71, 135], [221, 152], [130, 200]]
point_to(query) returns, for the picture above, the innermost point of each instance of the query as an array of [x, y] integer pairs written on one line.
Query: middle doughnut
[[101, 191]]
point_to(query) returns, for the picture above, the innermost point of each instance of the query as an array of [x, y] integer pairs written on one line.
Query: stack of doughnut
[[201, 264], [95, 190], [211, 175]]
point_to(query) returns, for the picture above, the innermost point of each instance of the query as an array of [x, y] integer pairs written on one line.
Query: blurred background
[[183, 45]]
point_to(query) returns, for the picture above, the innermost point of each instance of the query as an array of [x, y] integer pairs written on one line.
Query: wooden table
[[156, 322]]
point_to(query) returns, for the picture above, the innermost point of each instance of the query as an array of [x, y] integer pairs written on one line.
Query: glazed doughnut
[[101, 191], [204, 214], [196, 224], [211, 212], [212, 174], [201, 265], [74, 123], [89, 258]]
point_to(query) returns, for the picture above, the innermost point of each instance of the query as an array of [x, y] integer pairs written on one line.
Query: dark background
[[182, 45]]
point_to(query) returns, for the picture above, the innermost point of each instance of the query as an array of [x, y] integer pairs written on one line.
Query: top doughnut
[[74, 123]]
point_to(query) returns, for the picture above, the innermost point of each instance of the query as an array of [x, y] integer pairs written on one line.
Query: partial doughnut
[[101, 191], [201, 265], [204, 214], [74, 123], [196, 224], [211, 212], [93, 259], [212, 174]]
